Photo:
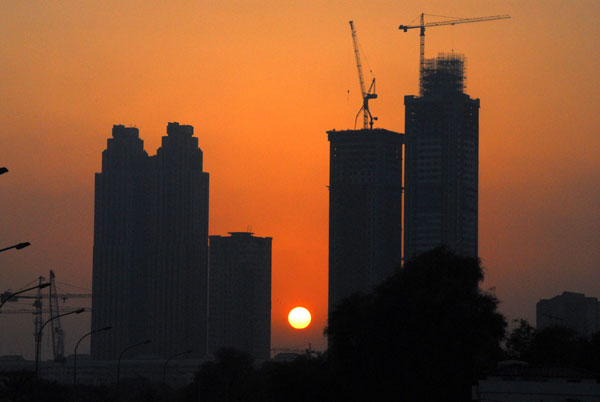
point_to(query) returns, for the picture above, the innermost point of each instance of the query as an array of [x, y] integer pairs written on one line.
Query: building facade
[[442, 162], [178, 258], [150, 274], [570, 309], [365, 210], [119, 250], [240, 294]]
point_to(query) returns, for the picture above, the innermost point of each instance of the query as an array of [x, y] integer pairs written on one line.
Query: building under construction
[[442, 159], [365, 201], [444, 74], [365, 210]]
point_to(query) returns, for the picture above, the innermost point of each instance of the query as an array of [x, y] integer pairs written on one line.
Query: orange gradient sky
[[261, 82]]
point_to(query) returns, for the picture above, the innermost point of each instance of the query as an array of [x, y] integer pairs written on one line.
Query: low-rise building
[[570, 309], [516, 381]]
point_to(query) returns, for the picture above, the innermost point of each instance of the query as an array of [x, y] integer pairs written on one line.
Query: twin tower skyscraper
[[150, 247], [151, 257]]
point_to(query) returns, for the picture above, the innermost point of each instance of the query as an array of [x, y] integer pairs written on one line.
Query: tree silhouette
[[559, 346], [424, 334], [230, 378], [519, 341], [305, 379], [24, 386]]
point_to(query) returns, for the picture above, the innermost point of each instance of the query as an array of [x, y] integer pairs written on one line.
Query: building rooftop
[[364, 131], [177, 129], [120, 131], [518, 369]]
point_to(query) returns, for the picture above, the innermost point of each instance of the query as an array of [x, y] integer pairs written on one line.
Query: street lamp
[[17, 246], [77, 345], [169, 359], [3, 170], [6, 296], [147, 341], [38, 342]]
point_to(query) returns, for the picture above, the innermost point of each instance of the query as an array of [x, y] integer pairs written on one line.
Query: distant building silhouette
[[365, 209], [570, 309], [240, 294], [150, 274], [442, 162]]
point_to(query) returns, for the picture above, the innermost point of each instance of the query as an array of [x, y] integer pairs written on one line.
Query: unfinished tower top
[[443, 75]]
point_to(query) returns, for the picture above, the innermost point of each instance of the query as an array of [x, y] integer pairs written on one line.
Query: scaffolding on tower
[[451, 21], [443, 74]]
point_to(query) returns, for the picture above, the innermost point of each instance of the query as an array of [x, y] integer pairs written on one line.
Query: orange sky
[[261, 82]]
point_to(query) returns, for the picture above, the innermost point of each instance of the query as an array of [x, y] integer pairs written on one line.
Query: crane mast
[[366, 94], [37, 318], [58, 346], [424, 25]]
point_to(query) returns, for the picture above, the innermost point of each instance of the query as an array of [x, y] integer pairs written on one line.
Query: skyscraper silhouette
[[442, 162], [150, 273], [240, 294], [178, 258], [119, 248], [365, 209]]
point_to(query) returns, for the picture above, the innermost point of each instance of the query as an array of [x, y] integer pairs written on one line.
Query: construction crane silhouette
[[54, 310], [454, 21], [366, 95]]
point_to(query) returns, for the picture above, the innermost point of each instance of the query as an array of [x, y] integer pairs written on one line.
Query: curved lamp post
[[77, 345], [39, 337], [3, 170], [147, 341], [17, 246], [171, 358], [5, 296]]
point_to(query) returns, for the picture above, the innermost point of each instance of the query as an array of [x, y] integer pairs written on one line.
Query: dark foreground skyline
[[398, 342]]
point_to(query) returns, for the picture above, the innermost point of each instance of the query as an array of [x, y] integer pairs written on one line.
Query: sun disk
[[299, 318]]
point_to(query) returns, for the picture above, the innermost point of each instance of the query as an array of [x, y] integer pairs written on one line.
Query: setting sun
[[299, 318]]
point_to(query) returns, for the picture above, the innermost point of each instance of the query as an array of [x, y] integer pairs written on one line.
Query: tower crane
[[366, 94], [424, 25], [54, 310]]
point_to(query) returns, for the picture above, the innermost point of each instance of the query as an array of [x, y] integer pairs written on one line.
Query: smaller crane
[[54, 310], [58, 335], [366, 95], [455, 21]]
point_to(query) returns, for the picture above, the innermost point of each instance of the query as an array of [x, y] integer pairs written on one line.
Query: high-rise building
[[442, 162], [150, 274], [240, 294], [119, 226], [178, 254], [570, 309], [365, 210]]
